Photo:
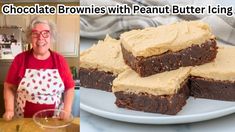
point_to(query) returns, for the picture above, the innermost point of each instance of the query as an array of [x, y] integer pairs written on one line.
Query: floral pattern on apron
[[43, 86]]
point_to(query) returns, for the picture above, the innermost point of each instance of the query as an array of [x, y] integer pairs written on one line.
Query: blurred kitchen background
[[12, 42]]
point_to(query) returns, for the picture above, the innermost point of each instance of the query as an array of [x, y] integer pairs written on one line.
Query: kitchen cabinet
[[18, 20], [68, 35], [46, 17], [2, 20], [4, 64]]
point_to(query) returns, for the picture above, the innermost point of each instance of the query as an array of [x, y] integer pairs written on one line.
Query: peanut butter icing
[[222, 68], [157, 40], [165, 83], [104, 56]]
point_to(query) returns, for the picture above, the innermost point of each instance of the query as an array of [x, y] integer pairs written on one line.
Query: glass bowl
[[50, 119]]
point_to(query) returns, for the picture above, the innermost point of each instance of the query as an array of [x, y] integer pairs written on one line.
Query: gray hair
[[36, 21]]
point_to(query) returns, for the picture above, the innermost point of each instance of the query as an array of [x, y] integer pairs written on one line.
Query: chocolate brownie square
[[215, 80], [157, 49], [100, 64], [164, 93]]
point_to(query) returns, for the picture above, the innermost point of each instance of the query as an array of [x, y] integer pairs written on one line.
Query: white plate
[[101, 103]]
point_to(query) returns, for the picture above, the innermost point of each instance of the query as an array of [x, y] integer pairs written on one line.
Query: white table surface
[[92, 123]]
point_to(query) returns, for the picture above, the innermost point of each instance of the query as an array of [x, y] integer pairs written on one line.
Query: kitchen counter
[[94, 123], [28, 125]]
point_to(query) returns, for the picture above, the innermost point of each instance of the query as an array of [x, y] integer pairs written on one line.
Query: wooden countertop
[[28, 125]]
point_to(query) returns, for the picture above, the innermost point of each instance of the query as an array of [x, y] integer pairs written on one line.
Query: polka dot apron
[[39, 87]]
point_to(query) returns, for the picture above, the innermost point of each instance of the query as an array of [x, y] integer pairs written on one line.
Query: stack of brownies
[[166, 65]]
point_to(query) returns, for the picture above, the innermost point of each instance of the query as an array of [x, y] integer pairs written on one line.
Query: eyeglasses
[[44, 33]]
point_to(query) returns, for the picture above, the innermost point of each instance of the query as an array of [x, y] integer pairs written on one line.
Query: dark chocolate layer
[[194, 55], [212, 89], [92, 78], [165, 104]]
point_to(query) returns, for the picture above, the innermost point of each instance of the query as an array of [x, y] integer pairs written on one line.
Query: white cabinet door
[[68, 35], [17, 20]]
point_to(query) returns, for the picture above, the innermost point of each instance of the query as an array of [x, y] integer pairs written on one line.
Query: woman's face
[[41, 38]]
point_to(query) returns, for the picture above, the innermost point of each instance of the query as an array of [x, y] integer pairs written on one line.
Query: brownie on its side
[[92, 78], [100, 64], [164, 93], [212, 89], [169, 47], [164, 104], [215, 80], [194, 55]]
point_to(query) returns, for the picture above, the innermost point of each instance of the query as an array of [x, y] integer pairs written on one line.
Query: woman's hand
[[68, 102], [9, 97], [64, 115], [8, 115]]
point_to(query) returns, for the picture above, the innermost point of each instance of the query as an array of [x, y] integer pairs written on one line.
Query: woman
[[38, 77]]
